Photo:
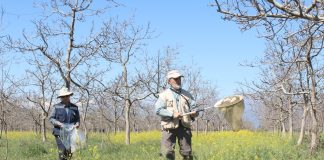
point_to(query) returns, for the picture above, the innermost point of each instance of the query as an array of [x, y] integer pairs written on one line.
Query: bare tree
[[44, 82], [298, 22], [109, 104], [274, 16], [57, 32], [125, 43], [205, 94], [62, 38], [155, 69]]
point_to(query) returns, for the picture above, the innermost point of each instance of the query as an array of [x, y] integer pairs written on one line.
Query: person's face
[[65, 99], [175, 82]]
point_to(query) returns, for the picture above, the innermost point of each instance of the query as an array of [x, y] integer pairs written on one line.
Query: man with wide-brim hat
[[171, 104], [64, 113]]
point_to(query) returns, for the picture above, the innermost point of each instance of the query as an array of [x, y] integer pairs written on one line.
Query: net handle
[[195, 111]]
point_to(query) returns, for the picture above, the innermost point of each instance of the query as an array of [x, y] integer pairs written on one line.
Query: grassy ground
[[243, 145]]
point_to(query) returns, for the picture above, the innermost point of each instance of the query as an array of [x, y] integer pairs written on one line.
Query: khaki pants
[[169, 140]]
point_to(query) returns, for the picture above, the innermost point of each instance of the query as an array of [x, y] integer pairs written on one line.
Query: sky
[[215, 45]]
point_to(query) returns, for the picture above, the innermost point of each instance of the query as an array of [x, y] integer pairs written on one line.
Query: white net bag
[[77, 140], [71, 137]]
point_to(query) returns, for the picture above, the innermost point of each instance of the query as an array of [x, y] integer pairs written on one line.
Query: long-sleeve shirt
[[161, 104], [64, 114]]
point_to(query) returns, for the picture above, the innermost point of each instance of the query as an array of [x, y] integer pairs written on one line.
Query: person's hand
[[176, 115], [60, 124], [77, 125], [194, 114]]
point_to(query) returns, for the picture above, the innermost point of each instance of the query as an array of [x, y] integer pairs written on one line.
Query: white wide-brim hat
[[64, 92], [174, 74]]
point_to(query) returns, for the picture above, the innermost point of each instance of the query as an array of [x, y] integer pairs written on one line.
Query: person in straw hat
[[171, 104], [63, 113]]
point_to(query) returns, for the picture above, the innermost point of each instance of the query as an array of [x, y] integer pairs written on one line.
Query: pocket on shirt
[[60, 116], [170, 103]]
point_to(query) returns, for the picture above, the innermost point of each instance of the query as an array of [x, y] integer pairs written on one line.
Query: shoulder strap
[[179, 93]]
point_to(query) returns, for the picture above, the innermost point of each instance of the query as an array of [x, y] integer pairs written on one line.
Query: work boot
[[170, 156], [187, 157]]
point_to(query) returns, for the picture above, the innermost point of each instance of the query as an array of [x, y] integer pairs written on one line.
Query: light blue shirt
[[160, 108]]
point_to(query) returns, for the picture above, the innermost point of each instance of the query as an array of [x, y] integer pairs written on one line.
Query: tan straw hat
[[64, 92]]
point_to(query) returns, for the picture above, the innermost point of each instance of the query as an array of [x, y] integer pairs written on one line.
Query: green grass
[[243, 145]]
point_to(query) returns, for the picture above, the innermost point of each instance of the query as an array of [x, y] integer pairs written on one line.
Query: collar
[[66, 105], [176, 91]]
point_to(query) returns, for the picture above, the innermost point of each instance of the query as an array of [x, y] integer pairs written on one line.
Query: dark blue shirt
[[64, 114]]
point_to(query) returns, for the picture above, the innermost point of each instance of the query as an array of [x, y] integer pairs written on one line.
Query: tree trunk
[[206, 130], [85, 115], [127, 105], [290, 119], [315, 138], [85, 126], [115, 126], [283, 127], [127, 125], [36, 128], [1, 119], [302, 126], [197, 126], [134, 126], [314, 131], [44, 128], [115, 119]]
